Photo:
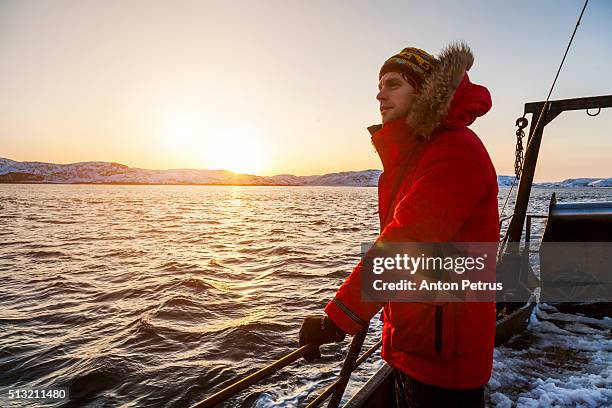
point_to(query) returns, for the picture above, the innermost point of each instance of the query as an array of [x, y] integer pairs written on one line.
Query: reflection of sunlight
[[258, 315], [236, 196]]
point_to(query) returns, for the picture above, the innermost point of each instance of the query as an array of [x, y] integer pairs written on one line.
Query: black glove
[[319, 330]]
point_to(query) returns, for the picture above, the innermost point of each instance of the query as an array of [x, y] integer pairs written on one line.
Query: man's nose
[[380, 96]]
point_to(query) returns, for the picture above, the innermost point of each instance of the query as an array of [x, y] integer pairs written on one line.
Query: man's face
[[395, 96]]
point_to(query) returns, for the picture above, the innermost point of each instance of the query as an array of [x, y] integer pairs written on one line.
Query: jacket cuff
[[343, 317]]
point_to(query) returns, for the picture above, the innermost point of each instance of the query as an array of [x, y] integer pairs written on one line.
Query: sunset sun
[[238, 148]]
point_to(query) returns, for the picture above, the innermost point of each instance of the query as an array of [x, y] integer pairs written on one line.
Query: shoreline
[[240, 184], [177, 184]]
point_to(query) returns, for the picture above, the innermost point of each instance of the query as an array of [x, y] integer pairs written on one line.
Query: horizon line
[[256, 175]]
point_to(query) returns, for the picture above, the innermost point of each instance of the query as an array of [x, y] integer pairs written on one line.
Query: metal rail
[[260, 374], [337, 387], [347, 367], [323, 396]]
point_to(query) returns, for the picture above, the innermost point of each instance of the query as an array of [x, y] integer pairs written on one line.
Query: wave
[[60, 222], [279, 250], [55, 318], [159, 337], [123, 293], [121, 253], [9, 243], [45, 254], [334, 230], [177, 266], [204, 284], [176, 301], [214, 262], [101, 373]]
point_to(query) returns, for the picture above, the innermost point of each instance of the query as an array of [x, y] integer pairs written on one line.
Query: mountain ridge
[[99, 172]]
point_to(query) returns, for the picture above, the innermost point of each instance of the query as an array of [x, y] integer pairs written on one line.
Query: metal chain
[[521, 123]]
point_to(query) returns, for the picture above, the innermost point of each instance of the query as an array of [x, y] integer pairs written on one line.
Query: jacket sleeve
[[451, 178]]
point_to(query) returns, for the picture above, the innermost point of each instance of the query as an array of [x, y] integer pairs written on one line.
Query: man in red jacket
[[438, 185]]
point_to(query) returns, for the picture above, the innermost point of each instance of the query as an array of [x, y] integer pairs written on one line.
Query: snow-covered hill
[[12, 171], [365, 178], [506, 181], [104, 172], [579, 182]]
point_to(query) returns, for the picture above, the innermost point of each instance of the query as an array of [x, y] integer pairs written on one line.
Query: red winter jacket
[[448, 194]]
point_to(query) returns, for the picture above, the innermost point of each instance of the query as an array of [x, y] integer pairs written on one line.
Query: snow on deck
[[561, 360]]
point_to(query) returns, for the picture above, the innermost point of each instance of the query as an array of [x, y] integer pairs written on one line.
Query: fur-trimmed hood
[[447, 97]]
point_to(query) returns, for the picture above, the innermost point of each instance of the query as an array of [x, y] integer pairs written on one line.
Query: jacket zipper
[[438, 334]]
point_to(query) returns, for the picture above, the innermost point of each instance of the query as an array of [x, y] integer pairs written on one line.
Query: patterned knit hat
[[414, 62]]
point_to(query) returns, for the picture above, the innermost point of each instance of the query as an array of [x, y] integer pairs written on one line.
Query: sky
[[272, 87]]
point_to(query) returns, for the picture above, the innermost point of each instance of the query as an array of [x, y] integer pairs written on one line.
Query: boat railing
[[501, 220], [528, 225], [526, 270], [528, 219], [335, 390]]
